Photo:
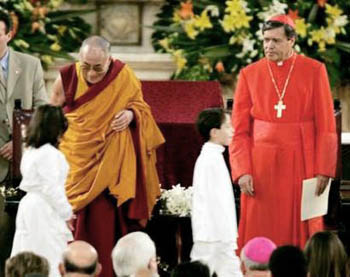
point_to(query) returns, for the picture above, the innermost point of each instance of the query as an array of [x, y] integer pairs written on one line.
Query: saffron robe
[[280, 152], [102, 161], [99, 157]]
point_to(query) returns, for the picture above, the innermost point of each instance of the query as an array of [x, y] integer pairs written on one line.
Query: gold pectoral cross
[[279, 108]]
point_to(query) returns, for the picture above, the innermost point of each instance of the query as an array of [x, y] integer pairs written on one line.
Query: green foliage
[[43, 30], [210, 39]]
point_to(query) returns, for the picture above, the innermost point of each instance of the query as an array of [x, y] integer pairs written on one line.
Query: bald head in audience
[[80, 259]]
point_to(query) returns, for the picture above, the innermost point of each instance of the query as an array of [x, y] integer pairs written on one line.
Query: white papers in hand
[[312, 205]]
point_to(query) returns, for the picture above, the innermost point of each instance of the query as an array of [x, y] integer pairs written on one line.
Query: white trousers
[[219, 256]]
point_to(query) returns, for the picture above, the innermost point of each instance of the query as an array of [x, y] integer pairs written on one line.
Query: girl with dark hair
[[43, 223], [326, 256]]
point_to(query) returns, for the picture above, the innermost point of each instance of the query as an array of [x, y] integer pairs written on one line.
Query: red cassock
[[280, 152]]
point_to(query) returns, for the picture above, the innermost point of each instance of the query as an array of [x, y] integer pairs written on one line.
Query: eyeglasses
[[99, 68]]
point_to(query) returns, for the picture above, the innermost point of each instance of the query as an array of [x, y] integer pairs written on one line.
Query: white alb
[[43, 211]]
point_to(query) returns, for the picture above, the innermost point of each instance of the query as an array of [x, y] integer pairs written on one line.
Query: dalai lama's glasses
[[98, 68]]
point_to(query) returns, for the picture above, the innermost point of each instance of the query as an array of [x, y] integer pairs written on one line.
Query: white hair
[[132, 252]]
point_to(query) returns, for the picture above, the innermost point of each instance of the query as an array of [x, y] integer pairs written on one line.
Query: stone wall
[[124, 23]]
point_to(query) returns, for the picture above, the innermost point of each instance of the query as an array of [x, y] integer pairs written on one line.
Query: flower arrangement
[[176, 201], [8, 192], [212, 38], [43, 30]]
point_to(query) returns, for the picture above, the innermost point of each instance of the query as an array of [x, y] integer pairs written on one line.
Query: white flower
[[248, 48], [297, 48], [244, 5], [275, 8], [213, 10], [341, 21], [259, 33], [177, 201], [329, 34]]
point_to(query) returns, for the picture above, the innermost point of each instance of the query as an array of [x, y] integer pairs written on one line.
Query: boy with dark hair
[[214, 222], [288, 261]]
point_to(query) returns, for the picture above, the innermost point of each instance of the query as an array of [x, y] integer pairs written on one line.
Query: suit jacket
[[25, 82]]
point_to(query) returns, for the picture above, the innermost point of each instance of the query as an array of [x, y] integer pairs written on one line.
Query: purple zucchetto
[[259, 250]]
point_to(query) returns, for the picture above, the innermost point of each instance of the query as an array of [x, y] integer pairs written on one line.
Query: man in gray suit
[[21, 77]]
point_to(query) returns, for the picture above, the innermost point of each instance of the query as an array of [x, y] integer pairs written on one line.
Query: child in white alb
[[214, 222], [44, 218]]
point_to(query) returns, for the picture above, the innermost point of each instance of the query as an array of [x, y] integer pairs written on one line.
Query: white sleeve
[[51, 173], [203, 187]]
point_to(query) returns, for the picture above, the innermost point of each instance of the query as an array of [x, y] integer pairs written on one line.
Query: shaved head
[[80, 257], [96, 42]]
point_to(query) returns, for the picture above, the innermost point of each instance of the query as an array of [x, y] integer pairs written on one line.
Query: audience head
[[326, 256], [214, 124], [5, 30], [133, 253], [256, 253], [94, 57], [288, 261], [80, 259], [47, 125], [25, 264], [189, 269]]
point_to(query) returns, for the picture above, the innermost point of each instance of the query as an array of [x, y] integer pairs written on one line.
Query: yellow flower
[[203, 21], [190, 29], [62, 29], [233, 6], [180, 60], [333, 11], [232, 22], [165, 44], [237, 17], [55, 47], [55, 3], [244, 20], [237, 38], [228, 23], [301, 27], [319, 36], [47, 59], [176, 17]]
